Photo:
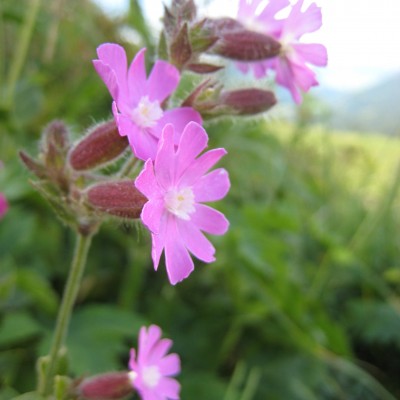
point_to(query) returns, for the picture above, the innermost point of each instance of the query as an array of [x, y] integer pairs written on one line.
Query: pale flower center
[[151, 376], [180, 202], [147, 113]]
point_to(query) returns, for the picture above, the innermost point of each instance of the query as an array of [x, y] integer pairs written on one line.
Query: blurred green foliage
[[303, 300]]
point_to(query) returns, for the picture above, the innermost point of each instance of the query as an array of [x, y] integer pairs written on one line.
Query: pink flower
[[176, 186], [3, 205], [3, 201], [138, 100], [291, 66], [152, 369]]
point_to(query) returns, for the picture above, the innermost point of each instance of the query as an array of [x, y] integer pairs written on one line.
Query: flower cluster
[[173, 180], [174, 175], [290, 65]]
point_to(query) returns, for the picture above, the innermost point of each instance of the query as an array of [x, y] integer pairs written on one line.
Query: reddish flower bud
[[108, 386], [102, 144], [55, 146], [246, 45], [202, 68], [38, 169], [121, 199], [248, 101], [181, 49]]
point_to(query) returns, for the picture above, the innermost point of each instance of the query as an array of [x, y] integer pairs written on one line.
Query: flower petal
[[108, 76], [164, 165], [132, 360], [179, 117], [213, 186], [178, 261], [163, 80], [209, 220], [313, 53], [114, 57], [195, 241], [137, 77], [143, 143], [146, 181], [285, 77], [152, 213], [170, 365], [169, 388], [3, 205], [200, 166], [272, 8], [147, 339], [193, 141], [159, 351], [298, 23]]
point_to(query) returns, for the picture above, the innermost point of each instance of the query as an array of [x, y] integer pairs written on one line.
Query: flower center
[[180, 202], [151, 376], [147, 113]]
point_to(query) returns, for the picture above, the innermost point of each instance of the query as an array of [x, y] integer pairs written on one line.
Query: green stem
[[64, 314], [21, 51]]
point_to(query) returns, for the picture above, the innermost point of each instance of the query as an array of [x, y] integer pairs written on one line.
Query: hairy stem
[[64, 314]]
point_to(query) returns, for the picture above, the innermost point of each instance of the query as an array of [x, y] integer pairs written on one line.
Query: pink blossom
[[291, 66], [3, 205], [176, 186], [138, 100], [3, 201], [152, 368]]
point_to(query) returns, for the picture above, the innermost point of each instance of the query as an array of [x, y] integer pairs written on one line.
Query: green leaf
[[38, 289], [18, 327], [98, 337]]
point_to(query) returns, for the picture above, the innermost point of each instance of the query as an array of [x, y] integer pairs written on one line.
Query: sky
[[362, 37]]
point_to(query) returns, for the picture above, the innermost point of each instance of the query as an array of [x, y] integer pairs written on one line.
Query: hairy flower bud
[[102, 144], [203, 68], [120, 199], [181, 49], [248, 101], [54, 148], [108, 386], [246, 45]]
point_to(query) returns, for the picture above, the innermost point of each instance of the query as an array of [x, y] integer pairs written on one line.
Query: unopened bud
[[38, 169], [246, 45], [202, 36], [102, 144], [181, 49], [57, 134], [108, 386], [248, 101], [202, 68], [55, 145], [121, 199]]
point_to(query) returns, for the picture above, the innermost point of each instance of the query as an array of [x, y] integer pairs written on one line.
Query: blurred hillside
[[375, 109]]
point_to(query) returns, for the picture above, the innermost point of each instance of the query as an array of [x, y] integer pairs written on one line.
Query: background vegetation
[[303, 301]]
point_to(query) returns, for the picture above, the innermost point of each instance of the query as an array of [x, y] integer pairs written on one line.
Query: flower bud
[[38, 169], [102, 144], [248, 101], [181, 49], [203, 68], [55, 146], [121, 199], [246, 45], [108, 386]]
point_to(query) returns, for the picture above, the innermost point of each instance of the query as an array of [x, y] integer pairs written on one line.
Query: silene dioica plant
[[168, 176]]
